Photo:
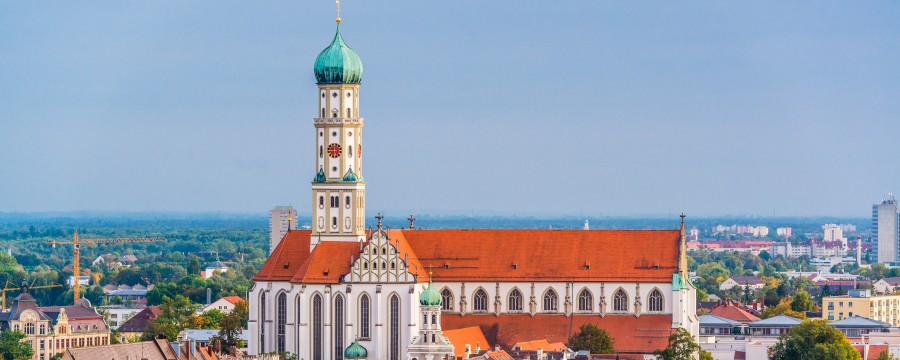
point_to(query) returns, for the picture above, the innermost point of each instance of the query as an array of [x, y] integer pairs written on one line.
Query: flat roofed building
[[857, 326], [862, 303]]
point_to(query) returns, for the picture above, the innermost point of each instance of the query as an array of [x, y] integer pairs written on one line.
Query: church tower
[[338, 189], [431, 343]]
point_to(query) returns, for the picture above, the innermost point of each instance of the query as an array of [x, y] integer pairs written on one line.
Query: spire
[[682, 251], [338, 19]]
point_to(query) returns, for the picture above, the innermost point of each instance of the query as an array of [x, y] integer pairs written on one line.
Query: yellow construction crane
[[24, 285], [76, 253]]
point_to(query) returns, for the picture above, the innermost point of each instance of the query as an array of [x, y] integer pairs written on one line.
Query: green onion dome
[[338, 63], [430, 297], [350, 176], [355, 351], [320, 176]]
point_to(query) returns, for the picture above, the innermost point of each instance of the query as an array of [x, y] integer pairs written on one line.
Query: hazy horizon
[[587, 109]]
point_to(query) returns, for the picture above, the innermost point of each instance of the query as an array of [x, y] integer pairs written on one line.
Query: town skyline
[[197, 107]]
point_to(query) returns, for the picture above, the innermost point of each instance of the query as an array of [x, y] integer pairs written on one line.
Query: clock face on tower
[[334, 150]]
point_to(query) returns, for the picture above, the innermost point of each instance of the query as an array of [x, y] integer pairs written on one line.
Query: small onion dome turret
[[430, 297], [320, 176], [355, 351], [338, 63], [350, 176]]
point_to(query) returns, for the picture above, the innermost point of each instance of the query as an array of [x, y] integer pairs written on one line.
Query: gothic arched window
[[280, 321], [585, 301], [479, 301], [551, 301], [262, 322], [394, 328], [620, 301], [339, 327], [515, 300], [364, 316], [656, 301], [446, 300], [317, 328]]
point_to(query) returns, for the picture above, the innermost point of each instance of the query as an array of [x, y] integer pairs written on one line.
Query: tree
[[886, 355], [801, 302], [231, 325], [681, 347], [194, 266], [706, 355], [813, 340], [13, 348], [592, 338], [783, 308], [175, 315]]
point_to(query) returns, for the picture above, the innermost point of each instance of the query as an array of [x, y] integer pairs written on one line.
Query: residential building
[[711, 325], [886, 229], [752, 282], [132, 329], [225, 304], [127, 296], [128, 260], [118, 314], [884, 308], [783, 232], [834, 232], [281, 220], [339, 284], [158, 349], [732, 310], [857, 326], [83, 280], [214, 267], [773, 326], [52, 329], [887, 285]]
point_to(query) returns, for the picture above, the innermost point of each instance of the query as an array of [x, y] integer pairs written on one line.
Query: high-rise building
[[885, 224], [783, 232], [834, 232], [281, 219]]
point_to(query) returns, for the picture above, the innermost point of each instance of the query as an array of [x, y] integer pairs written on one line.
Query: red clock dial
[[334, 150]]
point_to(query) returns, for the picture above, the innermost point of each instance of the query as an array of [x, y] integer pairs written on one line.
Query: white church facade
[[339, 290]]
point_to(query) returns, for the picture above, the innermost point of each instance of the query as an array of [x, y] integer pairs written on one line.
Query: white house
[[225, 304], [752, 282]]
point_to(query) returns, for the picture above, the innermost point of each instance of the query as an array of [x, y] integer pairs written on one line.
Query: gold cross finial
[[338, 2]]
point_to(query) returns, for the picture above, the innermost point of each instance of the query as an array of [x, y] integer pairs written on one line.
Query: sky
[[578, 108]]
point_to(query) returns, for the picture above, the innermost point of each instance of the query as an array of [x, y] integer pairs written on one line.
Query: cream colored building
[[53, 329], [884, 308]]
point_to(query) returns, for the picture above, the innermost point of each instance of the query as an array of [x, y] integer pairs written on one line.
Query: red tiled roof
[[496, 255], [733, 312], [287, 257], [498, 355], [641, 335], [547, 255], [327, 263], [543, 344], [233, 299], [874, 350], [140, 321], [471, 335]]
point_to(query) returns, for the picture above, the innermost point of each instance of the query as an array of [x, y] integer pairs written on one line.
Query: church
[[342, 290]]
